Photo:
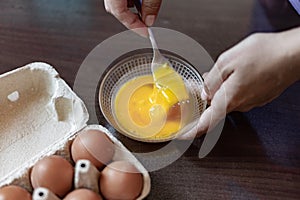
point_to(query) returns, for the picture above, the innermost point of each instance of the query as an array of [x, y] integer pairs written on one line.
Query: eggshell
[[93, 145], [121, 180], [43, 194], [14, 193], [83, 194], [54, 173]]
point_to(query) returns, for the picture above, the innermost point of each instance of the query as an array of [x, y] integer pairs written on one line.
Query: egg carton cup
[[43, 194], [40, 116], [86, 176]]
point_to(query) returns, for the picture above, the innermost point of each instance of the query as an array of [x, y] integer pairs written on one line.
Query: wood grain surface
[[258, 154]]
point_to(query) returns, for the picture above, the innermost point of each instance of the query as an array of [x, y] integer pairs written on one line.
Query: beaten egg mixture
[[146, 110]]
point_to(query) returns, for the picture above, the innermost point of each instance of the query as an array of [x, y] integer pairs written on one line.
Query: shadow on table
[[238, 139], [269, 134]]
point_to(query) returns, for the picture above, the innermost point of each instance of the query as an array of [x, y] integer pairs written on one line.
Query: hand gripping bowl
[[137, 63]]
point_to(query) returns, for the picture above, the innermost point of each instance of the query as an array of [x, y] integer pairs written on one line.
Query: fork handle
[[151, 36], [138, 6]]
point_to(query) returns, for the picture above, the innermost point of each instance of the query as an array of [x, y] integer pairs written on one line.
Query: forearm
[[289, 42]]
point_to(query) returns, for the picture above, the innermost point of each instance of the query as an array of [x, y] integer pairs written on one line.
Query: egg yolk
[[142, 101], [139, 102]]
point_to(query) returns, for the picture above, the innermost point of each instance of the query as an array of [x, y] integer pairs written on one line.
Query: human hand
[[250, 74], [149, 11]]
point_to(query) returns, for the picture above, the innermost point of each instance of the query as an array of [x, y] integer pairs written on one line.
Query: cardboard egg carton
[[40, 116]]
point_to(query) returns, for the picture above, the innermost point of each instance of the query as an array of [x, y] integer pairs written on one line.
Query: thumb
[[211, 116], [150, 10]]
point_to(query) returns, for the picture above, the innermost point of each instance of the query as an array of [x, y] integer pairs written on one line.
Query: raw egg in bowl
[[132, 102]]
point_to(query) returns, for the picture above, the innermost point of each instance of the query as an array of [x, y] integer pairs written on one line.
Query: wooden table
[[258, 154]]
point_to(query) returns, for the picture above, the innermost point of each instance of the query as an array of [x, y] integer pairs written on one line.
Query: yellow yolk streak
[[147, 110]]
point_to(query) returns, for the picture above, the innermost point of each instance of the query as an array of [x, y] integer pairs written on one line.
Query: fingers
[[129, 19], [130, 3], [217, 110], [133, 22], [200, 128], [212, 115], [217, 75], [204, 75], [120, 10], [150, 9]]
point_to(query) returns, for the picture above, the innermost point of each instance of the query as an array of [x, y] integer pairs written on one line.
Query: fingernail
[[149, 20], [204, 75], [203, 94]]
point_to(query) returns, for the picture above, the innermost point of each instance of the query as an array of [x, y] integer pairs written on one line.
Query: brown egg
[[93, 145], [54, 173], [121, 180], [14, 193], [83, 194]]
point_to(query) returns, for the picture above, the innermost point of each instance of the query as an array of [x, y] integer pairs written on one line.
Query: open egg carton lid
[[39, 116]]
